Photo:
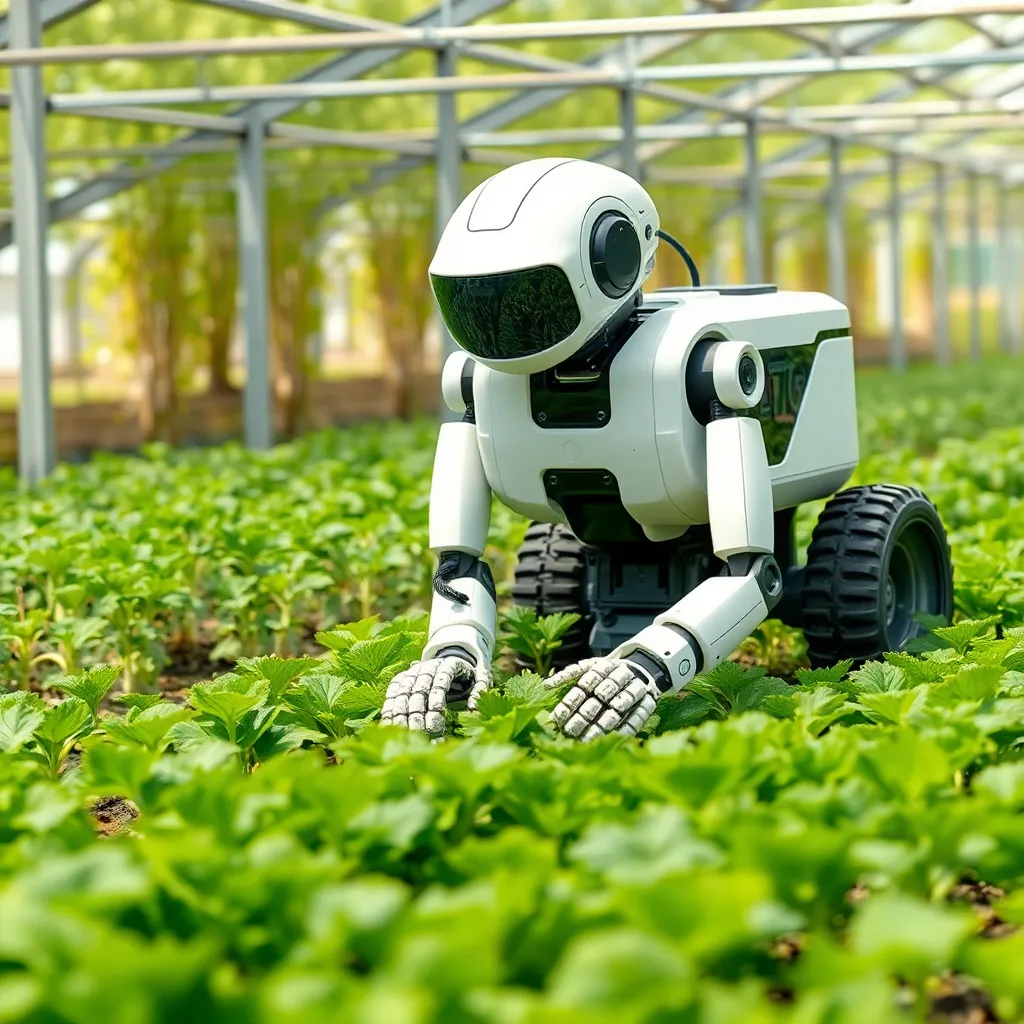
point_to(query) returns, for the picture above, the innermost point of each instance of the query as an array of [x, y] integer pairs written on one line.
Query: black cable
[[690, 265], [448, 565]]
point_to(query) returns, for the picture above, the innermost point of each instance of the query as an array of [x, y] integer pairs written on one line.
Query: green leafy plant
[[91, 686], [535, 637], [62, 726]]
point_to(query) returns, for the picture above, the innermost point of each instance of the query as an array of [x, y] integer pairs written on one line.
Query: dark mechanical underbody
[[618, 588]]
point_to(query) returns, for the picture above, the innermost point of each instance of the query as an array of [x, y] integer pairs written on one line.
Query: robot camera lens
[[614, 254], [747, 375]]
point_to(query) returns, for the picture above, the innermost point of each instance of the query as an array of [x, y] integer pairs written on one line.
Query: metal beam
[[598, 28], [422, 141], [288, 92], [214, 126], [298, 14], [51, 12], [1014, 268], [254, 277], [1010, 35], [974, 263], [898, 341], [898, 109], [345, 67], [756, 96], [526, 103], [940, 271], [448, 169], [628, 125], [30, 230], [836, 224], [752, 212]]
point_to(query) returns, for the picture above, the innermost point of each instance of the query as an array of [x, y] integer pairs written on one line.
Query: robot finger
[[594, 732], [580, 721], [571, 674], [438, 682], [482, 685], [434, 724], [609, 721], [639, 716], [576, 726], [396, 701], [629, 697], [568, 706]]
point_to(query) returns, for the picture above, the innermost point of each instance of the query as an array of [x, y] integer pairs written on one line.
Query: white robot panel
[[644, 432]]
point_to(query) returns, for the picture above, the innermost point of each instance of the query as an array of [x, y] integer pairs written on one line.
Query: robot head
[[540, 258]]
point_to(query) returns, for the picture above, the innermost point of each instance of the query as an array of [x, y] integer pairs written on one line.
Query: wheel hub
[[890, 600]]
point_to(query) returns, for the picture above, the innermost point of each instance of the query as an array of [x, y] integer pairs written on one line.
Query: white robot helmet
[[540, 259]]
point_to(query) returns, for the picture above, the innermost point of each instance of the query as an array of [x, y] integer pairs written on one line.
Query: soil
[[113, 815], [981, 896], [956, 1001]]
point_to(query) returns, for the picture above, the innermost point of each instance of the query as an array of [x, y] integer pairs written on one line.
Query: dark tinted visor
[[508, 316]]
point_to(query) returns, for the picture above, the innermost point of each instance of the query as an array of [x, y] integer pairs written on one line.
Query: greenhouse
[[393, 630]]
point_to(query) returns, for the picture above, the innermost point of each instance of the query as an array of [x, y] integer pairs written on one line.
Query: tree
[[400, 245]]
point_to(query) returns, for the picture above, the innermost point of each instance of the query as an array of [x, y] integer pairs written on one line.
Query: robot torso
[[620, 457]]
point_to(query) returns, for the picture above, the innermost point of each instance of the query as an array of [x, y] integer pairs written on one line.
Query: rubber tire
[[863, 534], [550, 577]]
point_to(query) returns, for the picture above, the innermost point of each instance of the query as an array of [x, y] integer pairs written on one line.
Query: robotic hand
[[417, 698], [610, 695]]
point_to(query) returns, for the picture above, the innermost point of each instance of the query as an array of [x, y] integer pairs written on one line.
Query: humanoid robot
[[660, 446]]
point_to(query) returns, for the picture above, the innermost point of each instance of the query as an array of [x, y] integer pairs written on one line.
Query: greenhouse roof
[[940, 85]]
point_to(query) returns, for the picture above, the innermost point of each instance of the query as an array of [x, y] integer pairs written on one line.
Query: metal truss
[[945, 136]]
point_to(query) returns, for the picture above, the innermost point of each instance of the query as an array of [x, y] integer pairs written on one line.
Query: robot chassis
[[660, 445]]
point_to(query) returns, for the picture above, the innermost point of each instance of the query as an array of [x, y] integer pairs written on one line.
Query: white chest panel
[[652, 444]]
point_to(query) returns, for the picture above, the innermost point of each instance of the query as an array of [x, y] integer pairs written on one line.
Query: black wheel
[[878, 558], [550, 577]]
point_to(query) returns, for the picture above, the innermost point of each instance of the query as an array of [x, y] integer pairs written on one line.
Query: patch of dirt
[[113, 815], [787, 948], [980, 896], [954, 1000]]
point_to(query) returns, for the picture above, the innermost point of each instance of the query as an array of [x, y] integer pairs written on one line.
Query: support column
[[974, 261], [940, 270], [752, 255], [28, 159], [898, 342], [448, 169], [1003, 263], [629, 160], [836, 224], [1015, 268], [254, 254]]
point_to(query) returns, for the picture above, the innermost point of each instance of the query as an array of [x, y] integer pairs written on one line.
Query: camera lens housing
[[614, 254]]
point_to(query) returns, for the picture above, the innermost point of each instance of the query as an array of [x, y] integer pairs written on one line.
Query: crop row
[[257, 849], [849, 849], [178, 562]]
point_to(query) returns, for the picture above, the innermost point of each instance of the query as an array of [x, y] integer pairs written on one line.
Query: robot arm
[[707, 625], [457, 657]]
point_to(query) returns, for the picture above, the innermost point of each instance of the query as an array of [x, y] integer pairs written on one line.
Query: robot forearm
[[707, 625], [463, 613]]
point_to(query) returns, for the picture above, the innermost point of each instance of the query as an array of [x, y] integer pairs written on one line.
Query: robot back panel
[[621, 457]]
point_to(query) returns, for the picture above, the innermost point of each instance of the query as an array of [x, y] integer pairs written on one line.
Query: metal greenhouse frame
[[749, 104]]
